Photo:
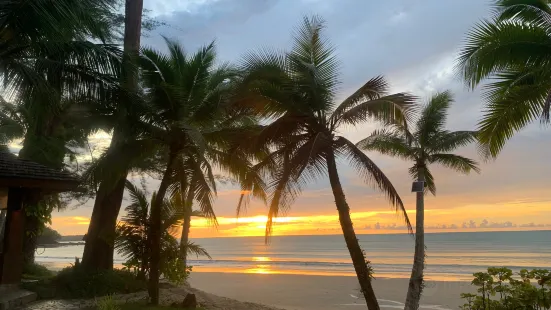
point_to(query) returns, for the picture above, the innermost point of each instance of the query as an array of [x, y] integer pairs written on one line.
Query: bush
[[76, 282], [36, 272], [497, 289]]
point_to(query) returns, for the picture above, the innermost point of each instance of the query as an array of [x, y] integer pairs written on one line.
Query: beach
[[307, 292], [315, 272]]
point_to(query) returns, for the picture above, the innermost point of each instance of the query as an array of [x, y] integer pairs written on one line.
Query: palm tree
[[52, 71], [185, 92], [512, 49], [429, 143], [297, 91], [98, 250], [132, 233]]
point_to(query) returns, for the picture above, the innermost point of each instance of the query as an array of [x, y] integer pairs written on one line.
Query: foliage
[[512, 50], [132, 237], [298, 89], [498, 289], [36, 272], [107, 303], [428, 143], [78, 282], [48, 236]]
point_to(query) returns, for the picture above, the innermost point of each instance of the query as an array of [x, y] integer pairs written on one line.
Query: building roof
[[12, 168]]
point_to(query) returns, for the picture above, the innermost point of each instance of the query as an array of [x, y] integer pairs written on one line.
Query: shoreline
[[321, 292], [309, 292], [57, 266]]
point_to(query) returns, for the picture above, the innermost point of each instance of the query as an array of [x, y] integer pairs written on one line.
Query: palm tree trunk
[[99, 246], [186, 226], [416, 280], [358, 259], [98, 250], [155, 231]]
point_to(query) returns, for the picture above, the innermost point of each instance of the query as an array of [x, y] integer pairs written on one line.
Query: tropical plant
[[296, 90], [511, 49], [530, 290], [428, 143], [132, 237]]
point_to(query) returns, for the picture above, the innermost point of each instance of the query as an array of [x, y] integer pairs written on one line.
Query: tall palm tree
[[297, 90], [184, 91], [512, 49], [98, 250], [429, 143]]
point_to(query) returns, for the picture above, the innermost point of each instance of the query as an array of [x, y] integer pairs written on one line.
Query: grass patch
[[77, 282]]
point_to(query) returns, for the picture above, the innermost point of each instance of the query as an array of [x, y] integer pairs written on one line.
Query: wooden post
[[11, 259]]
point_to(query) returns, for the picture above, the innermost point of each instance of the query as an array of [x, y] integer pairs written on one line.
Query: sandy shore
[[305, 292]]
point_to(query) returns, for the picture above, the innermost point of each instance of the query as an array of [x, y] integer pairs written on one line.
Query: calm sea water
[[450, 256]]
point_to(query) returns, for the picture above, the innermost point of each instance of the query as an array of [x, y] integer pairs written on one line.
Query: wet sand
[[305, 292]]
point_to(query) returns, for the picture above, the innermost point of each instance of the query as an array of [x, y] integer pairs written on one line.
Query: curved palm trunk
[[186, 226], [155, 232], [416, 280], [99, 250], [356, 253]]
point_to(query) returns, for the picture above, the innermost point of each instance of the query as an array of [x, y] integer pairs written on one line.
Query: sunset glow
[[471, 217]]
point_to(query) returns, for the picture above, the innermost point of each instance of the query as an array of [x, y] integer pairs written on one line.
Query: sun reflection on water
[[261, 269], [261, 259]]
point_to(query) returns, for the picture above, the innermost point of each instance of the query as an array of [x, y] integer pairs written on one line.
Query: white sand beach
[[306, 292]]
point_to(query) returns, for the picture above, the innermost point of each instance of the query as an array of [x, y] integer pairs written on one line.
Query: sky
[[414, 44]]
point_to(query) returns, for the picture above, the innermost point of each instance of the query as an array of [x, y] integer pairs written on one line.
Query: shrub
[[36, 272], [77, 282], [497, 289]]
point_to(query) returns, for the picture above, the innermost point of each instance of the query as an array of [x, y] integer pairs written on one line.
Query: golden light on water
[[261, 259], [261, 269]]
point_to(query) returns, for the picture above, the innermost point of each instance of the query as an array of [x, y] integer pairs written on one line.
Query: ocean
[[449, 256]]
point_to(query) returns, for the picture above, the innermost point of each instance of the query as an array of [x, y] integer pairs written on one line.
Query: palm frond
[[387, 142], [535, 12], [313, 65], [518, 98], [372, 175], [493, 46], [373, 89], [197, 250], [395, 108], [455, 162], [433, 116], [446, 141], [283, 189]]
